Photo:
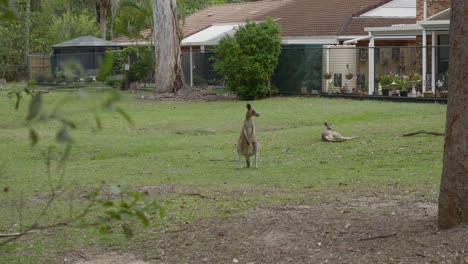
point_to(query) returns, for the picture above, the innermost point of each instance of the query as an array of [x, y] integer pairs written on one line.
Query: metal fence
[[346, 69], [301, 69]]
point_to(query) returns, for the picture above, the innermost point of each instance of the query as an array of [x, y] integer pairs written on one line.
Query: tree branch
[[423, 132], [381, 236]]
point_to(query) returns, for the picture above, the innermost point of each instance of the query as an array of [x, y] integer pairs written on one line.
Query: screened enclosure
[[88, 52]]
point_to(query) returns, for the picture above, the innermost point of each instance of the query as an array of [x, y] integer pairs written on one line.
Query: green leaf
[[114, 215], [142, 216], [162, 212], [68, 123], [104, 230], [108, 204], [33, 136], [98, 122], [63, 136], [124, 115], [18, 99], [137, 195], [115, 189], [128, 232], [35, 106]]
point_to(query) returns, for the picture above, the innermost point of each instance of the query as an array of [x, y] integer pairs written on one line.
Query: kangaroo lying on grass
[[247, 145], [330, 135]]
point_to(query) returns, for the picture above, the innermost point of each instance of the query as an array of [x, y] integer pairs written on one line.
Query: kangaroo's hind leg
[[255, 147], [247, 160], [256, 158]]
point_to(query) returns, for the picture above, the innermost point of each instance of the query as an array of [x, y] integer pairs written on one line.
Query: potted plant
[[402, 84], [304, 87], [414, 78], [349, 75], [327, 75], [385, 81], [331, 88]]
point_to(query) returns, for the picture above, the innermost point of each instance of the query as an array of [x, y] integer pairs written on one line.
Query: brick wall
[[433, 7]]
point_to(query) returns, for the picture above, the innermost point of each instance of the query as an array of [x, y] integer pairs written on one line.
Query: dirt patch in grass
[[104, 258], [210, 93], [343, 228]]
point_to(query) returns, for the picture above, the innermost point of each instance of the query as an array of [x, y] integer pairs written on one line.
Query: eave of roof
[[85, 41]]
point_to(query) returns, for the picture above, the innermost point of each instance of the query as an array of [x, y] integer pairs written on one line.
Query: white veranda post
[[433, 64], [371, 64], [424, 60], [328, 68]]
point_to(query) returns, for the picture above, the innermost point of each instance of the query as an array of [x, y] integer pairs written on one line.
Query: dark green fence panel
[[299, 66]]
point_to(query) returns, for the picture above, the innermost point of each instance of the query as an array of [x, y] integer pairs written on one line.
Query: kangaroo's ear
[[249, 106], [325, 124]]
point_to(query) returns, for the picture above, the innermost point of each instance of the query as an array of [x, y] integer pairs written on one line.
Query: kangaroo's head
[[329, 127], [251, 112]]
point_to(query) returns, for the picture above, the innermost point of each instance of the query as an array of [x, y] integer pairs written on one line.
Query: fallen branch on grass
[[17, 234], [376, 237], [423, 132], [200, 195]]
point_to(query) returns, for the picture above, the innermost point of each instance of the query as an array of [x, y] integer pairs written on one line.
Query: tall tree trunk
[[28, 28], [168, 73], [453, 198], [102, 17], [115, 4]]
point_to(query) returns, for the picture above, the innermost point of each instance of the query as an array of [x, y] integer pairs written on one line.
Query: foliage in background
[[55, 21], [249, 59], [51, 23], [73, 71], [107, 66], [141, 66], [69, 26], [7, 10], [134, 16]]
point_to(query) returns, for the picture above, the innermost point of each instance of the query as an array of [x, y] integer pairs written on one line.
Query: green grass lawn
[[190, 147]]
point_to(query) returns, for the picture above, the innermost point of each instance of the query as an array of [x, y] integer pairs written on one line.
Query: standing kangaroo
[[330, 135], [247, 145]]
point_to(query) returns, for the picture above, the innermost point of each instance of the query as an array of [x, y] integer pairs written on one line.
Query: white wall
[[339, 57]]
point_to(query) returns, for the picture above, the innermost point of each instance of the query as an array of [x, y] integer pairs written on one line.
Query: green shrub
[[116, 81], [73, 70], [106, 66], [88, 79], [114, 63], [143, 67], [249, 59]]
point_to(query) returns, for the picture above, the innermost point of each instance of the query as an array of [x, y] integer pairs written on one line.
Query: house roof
[[144, 35], [355, 26], [321, 20], [296, 17], [439, 21], [211, 35], [86, 41], [395, 8]]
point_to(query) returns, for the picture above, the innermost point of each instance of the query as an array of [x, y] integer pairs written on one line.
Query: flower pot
[[428, 94], [349, 76], [327, 76]]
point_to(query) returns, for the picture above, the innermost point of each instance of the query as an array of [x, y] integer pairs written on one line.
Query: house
[[432, 37], [306, 27]]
